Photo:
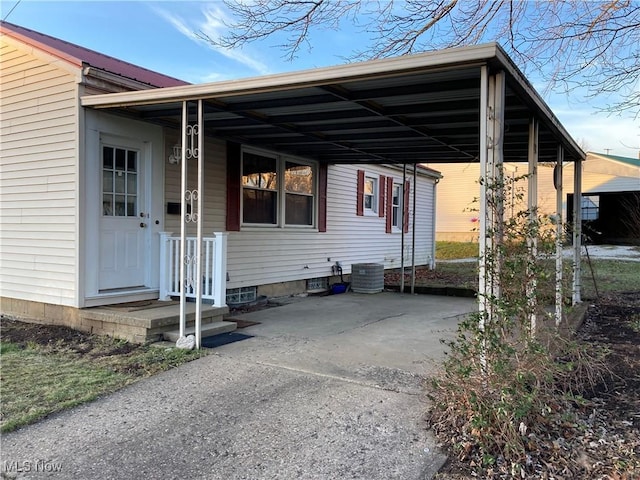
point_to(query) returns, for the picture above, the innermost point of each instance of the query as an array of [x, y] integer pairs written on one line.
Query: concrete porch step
[[207, 330], [147, 325]]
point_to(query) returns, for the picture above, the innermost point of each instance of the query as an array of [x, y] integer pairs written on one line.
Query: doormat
[[223, 339], [241, 323]]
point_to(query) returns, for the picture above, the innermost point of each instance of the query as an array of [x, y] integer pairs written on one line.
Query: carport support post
[[183, 213], [557, 180], [413, 230], [492, 95], [199, 194], [404, 186], [532, 234], [192, 147], [577, 231]]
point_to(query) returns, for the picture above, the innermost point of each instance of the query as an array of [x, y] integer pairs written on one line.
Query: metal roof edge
[[463, 56], [627, 161], [552, 121], [8, 31]]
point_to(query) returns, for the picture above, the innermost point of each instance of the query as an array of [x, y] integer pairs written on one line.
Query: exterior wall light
[[175, 157]]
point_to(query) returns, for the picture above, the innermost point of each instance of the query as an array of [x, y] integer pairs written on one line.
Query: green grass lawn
[[610, 276], [38, 380], [456, 250]]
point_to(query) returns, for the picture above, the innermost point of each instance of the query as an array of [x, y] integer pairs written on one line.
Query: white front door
[[124, 229]]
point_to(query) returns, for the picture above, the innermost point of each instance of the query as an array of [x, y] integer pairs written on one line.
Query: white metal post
[[558, 184], [482, 217], [220, 272], [199, 154], [491, 190], [497, 192], [577, 231], [532, 236], [433, 224], [413, 229], [404, 209], [183, 217]]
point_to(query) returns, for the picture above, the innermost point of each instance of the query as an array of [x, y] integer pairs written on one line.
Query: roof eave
[[463, 56]]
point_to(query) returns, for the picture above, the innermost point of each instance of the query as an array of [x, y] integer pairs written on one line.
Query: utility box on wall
[[367, 277]]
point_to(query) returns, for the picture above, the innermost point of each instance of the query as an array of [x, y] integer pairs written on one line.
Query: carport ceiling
[[422, 108]]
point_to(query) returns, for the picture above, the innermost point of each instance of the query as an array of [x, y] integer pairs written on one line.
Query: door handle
[[142, 224]]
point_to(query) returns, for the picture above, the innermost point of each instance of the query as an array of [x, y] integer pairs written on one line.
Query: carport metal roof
[[411, 109]]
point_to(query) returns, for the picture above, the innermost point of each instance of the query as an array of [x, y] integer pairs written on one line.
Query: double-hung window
[[298, 190], [277, 191], [396, 206], [370, 194]]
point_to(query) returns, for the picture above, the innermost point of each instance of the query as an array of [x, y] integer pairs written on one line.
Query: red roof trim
[[79, 56]]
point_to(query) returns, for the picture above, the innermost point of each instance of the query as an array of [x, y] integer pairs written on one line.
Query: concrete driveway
[[327, 388]]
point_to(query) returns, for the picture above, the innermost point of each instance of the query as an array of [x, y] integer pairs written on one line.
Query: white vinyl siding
[[258, 256], [215, 186], [264, 257], [38, 177]]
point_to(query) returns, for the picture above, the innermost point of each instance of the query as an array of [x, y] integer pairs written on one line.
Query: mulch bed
[[605, 441]]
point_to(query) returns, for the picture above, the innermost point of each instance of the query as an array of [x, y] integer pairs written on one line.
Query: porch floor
[[150, 323]]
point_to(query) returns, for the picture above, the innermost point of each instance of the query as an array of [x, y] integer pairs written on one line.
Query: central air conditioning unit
[[367, 277]]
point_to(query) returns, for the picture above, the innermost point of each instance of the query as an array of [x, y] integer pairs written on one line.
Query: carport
[[469, 104]]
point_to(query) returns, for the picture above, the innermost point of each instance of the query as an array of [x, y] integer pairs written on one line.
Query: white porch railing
[[214, 267]]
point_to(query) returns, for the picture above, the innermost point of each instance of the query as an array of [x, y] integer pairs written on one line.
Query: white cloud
[[212, 24], [619, 135]]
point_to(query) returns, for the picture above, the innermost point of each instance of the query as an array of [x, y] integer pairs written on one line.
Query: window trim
[[280, 190]]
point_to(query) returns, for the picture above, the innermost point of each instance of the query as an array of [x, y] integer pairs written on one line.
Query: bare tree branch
[[572, 43]]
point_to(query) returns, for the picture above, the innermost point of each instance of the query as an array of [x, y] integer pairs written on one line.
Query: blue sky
[[159, 36]]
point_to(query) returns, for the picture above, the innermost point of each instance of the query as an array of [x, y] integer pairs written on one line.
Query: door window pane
[[132, 184], [120, 159], [107, 181], [119, 182], [131, 161], [107, 157]]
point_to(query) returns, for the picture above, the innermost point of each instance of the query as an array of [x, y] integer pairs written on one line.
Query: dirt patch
[[59, 338]]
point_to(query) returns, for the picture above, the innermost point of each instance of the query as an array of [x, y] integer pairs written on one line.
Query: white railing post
[[220, 269], [164, 267]]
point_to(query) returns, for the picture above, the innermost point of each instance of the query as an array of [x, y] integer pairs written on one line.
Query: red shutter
[[360, 194], [234, 163], [389, 208], [381, 198], [322, 197], [405, 205]]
